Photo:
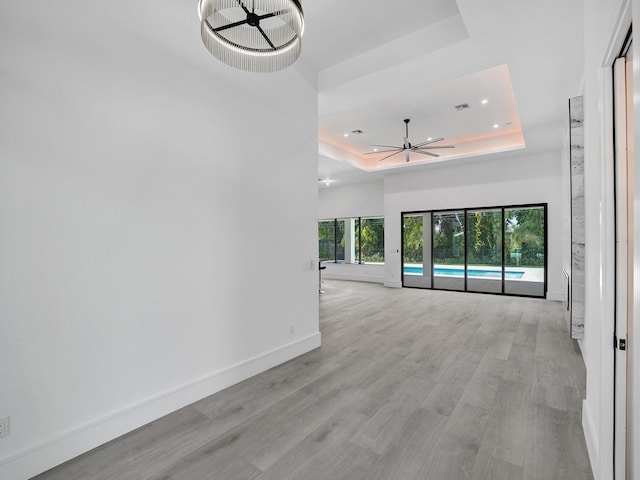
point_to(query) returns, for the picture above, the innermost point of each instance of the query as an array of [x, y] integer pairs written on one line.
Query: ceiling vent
[[463, 106], [357, 132]]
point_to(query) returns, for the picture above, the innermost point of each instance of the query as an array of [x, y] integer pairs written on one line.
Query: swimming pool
[[459, 272]]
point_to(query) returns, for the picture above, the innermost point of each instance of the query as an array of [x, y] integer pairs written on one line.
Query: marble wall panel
[[577, 280]]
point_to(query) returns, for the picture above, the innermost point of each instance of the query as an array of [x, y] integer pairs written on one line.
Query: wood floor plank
[[279, 434], [415, 442], [336, 431], [487, 467], [384, 427], [520, 365], [506, 434], [550, 454], [339, 462], [458, 444]]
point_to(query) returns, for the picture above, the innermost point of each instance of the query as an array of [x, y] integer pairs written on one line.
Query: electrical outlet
[[4, 426]]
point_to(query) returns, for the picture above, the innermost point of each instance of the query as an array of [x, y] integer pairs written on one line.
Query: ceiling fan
[[407, 147]]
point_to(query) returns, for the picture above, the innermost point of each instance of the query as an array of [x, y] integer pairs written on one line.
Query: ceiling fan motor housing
[[407, 147]]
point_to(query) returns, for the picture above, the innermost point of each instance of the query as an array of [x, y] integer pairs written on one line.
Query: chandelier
[[252, 35]]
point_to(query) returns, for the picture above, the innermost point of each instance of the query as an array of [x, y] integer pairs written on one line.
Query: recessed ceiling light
[[346, 135], [495, 125], [375, 149], [429, 139], [327, 182], [484, 101]]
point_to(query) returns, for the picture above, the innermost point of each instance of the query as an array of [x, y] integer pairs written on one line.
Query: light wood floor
[[409, 384]]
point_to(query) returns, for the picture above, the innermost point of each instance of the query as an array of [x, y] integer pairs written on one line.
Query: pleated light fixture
[[253, 35]]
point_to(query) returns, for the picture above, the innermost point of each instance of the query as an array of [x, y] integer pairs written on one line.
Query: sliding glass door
[[490, 250], [449, 250], [416, 252], [484, 251], [524, 238]]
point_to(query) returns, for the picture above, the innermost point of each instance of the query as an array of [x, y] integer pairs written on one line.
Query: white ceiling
[[337, 30], [380, 62]]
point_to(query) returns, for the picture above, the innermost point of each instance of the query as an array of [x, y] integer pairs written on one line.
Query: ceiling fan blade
[[387, 146], [383, 151], [427, 153], [384, 158], [439, 139], [435, 146]]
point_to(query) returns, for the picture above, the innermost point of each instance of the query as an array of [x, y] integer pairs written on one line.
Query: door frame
[[614, 447]]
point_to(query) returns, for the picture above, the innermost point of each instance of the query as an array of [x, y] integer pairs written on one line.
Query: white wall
[[503, 180], [601, 22], [356, 200], [157, 227], [633, 371]]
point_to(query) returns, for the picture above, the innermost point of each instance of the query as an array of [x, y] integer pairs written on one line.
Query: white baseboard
[[393, 284], [591, 438], [351, 277], [39, 458]]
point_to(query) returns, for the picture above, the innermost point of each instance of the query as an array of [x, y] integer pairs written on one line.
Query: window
[[524, 241], [449, 250], [352, 240], [369, 240], [327, 240], [484, 250], [340, 240]]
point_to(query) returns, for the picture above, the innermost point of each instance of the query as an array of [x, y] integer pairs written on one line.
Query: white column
[[426, 248], [349, 241]]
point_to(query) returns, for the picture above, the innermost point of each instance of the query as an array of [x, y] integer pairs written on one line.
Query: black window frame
[[335, 238], [504, 208]]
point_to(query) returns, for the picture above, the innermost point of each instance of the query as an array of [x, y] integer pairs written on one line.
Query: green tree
[[524, 230], [448, 238], [326, 239], [413, 229], [372, 239], [485, 238]]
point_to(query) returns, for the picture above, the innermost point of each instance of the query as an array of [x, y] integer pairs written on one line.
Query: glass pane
[[326, 239], [340, 244], [484, 251], [448, 250], [524, 251], [371, 240], [414, 273], [356, 240]]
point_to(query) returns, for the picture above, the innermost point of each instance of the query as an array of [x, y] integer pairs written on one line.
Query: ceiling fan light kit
[[407, 147], [252, 35]]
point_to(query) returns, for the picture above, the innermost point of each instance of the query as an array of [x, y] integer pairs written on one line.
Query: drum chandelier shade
[[252, 35]]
